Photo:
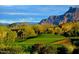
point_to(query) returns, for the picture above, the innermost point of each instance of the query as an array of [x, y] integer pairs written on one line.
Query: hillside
[[71, 15]]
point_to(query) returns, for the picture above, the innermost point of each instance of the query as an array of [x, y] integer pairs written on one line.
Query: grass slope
[[45, 39], [42, 39]]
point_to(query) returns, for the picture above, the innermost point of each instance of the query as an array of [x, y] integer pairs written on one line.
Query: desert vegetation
[[39, 38]]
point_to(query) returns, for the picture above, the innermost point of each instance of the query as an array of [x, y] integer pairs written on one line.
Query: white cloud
[[18, 20], [26, 14], [48, 9], [13, 13]]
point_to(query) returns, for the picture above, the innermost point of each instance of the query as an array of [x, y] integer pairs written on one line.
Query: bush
[[48, 50], [75, 51], [42, 49], [35, 48], [3, 31], [11, 36], [62, 50], [6, 35], [26, 32], [10, 49]]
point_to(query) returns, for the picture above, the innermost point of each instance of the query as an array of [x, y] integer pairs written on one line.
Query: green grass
[[41, 39], [45, 39]]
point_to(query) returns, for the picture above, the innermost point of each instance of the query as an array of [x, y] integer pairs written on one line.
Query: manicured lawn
[[45, 39], [41, 39]]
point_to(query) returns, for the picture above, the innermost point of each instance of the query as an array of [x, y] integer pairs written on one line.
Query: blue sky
[[29, 13]]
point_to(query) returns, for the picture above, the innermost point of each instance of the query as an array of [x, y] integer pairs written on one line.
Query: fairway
[[42, 39]]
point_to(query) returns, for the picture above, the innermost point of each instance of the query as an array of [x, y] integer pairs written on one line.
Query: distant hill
[[22, 23], [26, 22], [71, 15], [4, 24]]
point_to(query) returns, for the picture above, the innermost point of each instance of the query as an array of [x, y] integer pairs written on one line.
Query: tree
[[39, 28], [43, 28], [11, 36], [67, 26], [3, 31], [25, 32], [50, 30], [58, 30], [6, 35], [71, 29]]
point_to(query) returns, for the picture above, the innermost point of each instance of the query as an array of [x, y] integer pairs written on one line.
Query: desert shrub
[[6, 35], [38, 29], [26, 32], [71, 29], [11, 36], [8, 49], [62, 50], [34, 48], [43, 28], [3, 31], [75, 51], [58, 30], [75, 41], [48, 50], [42, 49]]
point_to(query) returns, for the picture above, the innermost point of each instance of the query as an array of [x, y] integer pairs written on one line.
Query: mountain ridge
[[71, 15]]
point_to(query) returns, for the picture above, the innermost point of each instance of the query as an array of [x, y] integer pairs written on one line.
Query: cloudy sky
[[29, 13]]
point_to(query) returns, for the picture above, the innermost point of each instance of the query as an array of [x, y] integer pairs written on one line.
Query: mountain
[[71, 15], [23, 23], [5, 24], [26, 23]]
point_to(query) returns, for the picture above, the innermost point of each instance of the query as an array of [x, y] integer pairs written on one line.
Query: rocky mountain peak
[[71, 15]]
